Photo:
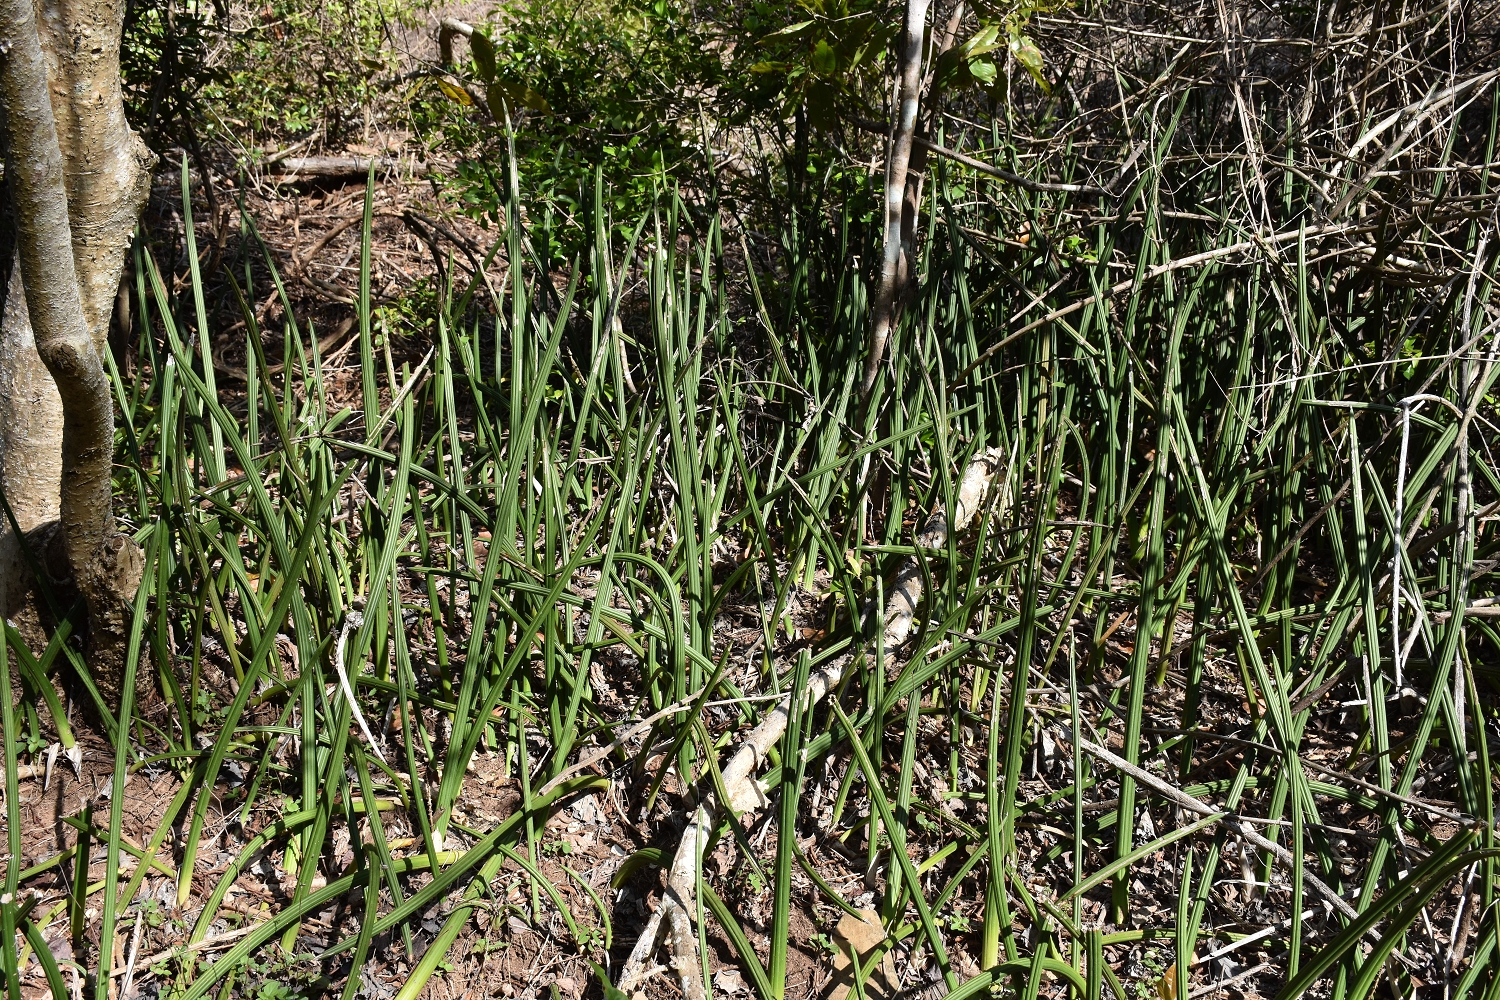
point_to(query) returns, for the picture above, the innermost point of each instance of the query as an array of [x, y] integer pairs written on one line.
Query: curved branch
[[447, 28], [746, 793]]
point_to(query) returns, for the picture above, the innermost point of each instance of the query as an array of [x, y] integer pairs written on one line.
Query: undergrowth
[[512, 535]]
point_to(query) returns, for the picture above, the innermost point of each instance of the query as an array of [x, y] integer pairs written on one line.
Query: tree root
[[673, 916]]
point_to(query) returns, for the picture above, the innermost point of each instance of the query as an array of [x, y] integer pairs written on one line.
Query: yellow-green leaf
[[986, 39], [457, 95], [790, 29], [503, 95], [1029, 56]]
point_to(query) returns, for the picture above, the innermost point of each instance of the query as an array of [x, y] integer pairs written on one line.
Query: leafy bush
[[288, 67], [615, 86], [165, 67]]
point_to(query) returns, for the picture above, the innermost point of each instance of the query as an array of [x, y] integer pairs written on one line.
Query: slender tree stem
[[882, 317]]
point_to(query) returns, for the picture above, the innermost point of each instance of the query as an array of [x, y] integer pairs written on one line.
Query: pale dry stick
[[1252, 144], [746, 793], [1455, 955], [353, 621], [1261, 934], [1406, 405], [1188, 802], [295, 168], [1415, 803], [135, 947], [1419, 112], [1025, 183], [1238, 824], [1339, 494], [1193, 260], [293, 149], [1478, 385], [1204, 991], [187, 949], [301, 261], [645, 724]]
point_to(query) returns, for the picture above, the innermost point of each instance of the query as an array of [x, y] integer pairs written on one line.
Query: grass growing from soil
[[571, 560]]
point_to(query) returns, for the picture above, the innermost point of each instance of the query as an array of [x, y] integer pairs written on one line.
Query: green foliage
[[1159, 462], [835, 62], [289, 67], [830, 63], [617, 87], [164, 67]]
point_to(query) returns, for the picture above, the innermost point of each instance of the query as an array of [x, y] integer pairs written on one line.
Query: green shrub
[[620, 87]]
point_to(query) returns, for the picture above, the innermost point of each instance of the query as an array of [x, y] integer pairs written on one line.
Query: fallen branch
[[1238, 824], [746, 792], [1194, 260], [1182, 799], [335, 167]]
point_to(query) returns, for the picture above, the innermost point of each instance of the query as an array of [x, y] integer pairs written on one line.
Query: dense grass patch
[[421, 601]]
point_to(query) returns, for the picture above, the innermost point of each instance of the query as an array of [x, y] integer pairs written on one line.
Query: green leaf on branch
[[484, 55], [824, 60], [1028, 55], [789, 31]]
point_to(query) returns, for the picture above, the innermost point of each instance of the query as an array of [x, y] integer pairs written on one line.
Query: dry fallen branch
[[1264, 243], [746, 792], [1025, 183], [1239, 824], [1182, 799], [293, 168]]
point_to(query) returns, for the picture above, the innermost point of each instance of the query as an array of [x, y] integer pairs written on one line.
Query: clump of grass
[[1187, 561]]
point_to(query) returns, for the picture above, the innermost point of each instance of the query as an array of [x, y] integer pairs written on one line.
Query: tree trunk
[[78, 179], [882, 314], [31, 428], [917, 165]]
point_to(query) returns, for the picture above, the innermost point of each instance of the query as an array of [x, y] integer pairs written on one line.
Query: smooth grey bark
[[31, 428], [882, 313], [916, 170], [78, 179], [106, 167]]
